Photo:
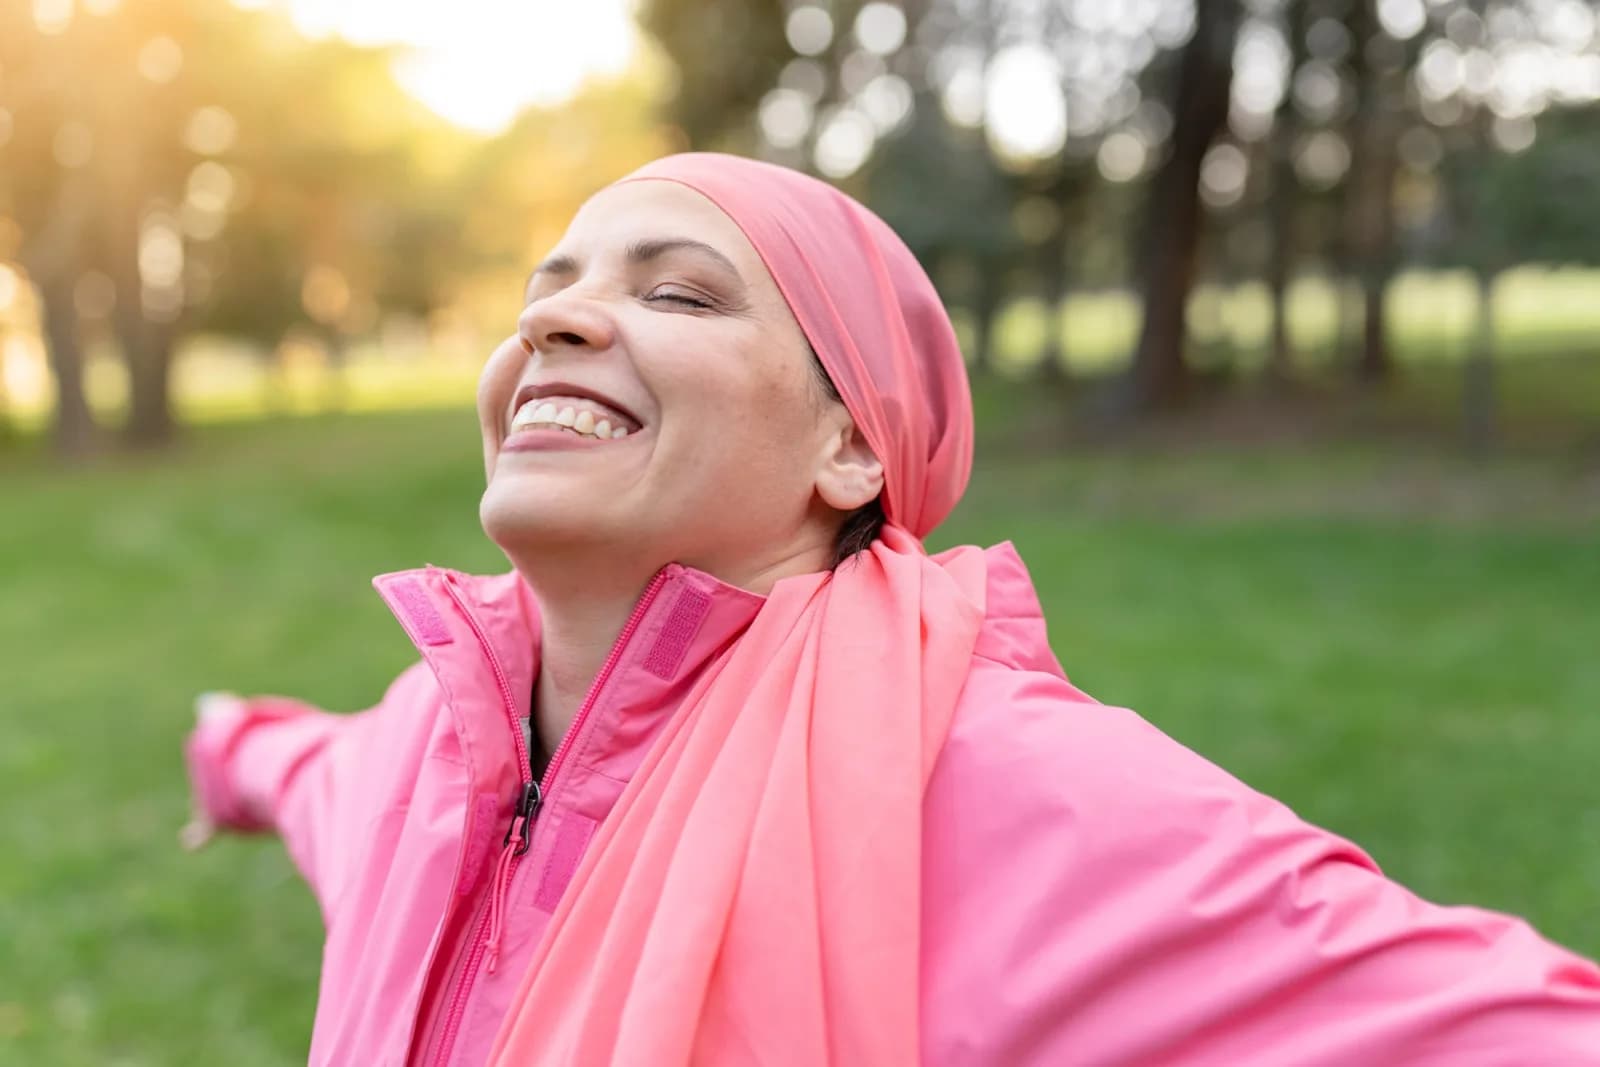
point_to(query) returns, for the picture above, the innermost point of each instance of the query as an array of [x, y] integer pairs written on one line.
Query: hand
[[199, 830], [196, 833]]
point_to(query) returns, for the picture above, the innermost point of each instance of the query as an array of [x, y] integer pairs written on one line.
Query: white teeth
[[525, 416], [581, 421]]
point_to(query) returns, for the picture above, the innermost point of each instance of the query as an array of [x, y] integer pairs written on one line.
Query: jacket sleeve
[[1098, 895], [275, 765]]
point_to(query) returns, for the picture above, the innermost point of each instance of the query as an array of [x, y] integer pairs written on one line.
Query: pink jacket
[[1094, 893]]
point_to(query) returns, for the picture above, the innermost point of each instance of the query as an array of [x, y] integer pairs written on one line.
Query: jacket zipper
[[606, 668], [518, 834], [490, 927]]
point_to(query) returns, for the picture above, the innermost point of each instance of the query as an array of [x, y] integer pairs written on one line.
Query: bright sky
[[479, 62]]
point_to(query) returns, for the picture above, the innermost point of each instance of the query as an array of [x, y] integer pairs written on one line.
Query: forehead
[[653, 208]]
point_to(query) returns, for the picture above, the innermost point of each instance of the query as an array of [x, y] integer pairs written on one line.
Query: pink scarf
[[754, 896]]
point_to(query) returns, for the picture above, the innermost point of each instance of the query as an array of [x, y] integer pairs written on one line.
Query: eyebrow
[[642, 251]]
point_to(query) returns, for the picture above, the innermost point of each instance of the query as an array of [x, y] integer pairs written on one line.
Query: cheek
[[736, 406], [741, 410], [496, 385], [758, 435], [498, 382]]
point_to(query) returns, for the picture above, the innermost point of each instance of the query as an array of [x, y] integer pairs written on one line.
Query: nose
[[566, 319]]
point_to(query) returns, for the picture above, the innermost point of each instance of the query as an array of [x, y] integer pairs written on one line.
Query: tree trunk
[[985, 310], [1376, 364], [8, 430], [1160, 376], [1053, 278], [54, 258], [1280, 356], [1285, 202], [335, 370], [74, 428], [146, 346], [1374, 166], [1478, 407], [1053, 357], [148, 352], [146, 341]]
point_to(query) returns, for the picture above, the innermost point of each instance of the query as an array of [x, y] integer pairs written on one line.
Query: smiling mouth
[[578, 416]]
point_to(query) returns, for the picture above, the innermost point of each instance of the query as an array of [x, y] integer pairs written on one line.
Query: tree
[[354, 207], [727, 53], [95, 177], [1160, 375], [1379, 66], [941, 191], [46, 191], [1508, 208], [149, 164], [1285, 200]]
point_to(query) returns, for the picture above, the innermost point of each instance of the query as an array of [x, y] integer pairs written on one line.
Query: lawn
[[1403, 648]]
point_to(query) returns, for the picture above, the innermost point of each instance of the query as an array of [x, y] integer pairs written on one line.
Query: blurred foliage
[[214, 173], [1509, 208], [727, 53], [179, 175]]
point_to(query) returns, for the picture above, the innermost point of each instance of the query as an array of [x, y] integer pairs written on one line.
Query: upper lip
[[540, 390]]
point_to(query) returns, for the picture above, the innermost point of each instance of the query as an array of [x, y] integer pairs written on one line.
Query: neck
[[583, 607], [579, 622]]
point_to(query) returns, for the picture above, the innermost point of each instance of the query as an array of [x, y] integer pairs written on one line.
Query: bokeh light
[[785, 117], [1402, 19], [1223, 175], [1122, 156], [210, 131], [160, 59], [845, 142], [880, 27], [1023, 109], [809, 29], [963, 97], [887, 100], [52, 17]]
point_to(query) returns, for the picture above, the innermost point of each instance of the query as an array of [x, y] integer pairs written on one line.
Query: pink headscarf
[[754, 896], [868, 309]]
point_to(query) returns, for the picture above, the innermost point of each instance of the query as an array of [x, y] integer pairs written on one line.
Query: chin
[[526, 524]]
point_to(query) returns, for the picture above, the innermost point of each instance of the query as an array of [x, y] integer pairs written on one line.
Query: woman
[[793, 791]]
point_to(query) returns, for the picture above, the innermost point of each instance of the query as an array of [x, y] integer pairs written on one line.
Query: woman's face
[[657, 403]]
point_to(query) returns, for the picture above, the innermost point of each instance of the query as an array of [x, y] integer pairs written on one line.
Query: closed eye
[[683, 299]]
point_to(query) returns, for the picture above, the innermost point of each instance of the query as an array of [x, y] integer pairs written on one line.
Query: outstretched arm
[[1107, 897], [273, 764]]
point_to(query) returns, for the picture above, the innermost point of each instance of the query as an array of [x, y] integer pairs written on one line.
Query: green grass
[[1401, 647]]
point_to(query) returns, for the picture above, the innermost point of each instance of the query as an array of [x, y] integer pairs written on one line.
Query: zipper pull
[[518, 834], [522, 818]]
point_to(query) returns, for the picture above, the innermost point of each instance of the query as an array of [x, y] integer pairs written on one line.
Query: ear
[[849, 475]]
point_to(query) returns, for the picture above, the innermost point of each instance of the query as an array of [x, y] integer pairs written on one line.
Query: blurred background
[[1283, 319]]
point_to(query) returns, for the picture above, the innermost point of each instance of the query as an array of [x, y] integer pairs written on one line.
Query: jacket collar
[[684, 618], [463, 624], [480, 637]]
